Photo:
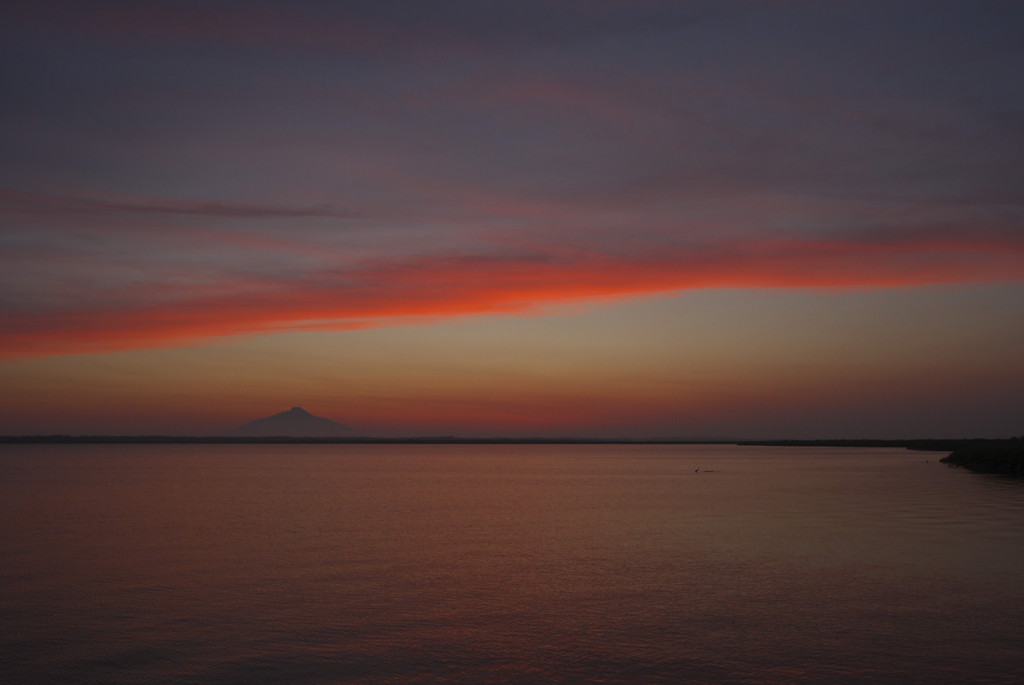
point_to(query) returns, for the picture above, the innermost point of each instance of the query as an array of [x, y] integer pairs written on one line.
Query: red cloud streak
[[400, 293]]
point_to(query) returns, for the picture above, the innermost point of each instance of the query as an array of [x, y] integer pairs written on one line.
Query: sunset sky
[[607, 218]]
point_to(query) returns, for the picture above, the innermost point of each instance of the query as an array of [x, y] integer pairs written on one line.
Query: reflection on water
[[399, 564]]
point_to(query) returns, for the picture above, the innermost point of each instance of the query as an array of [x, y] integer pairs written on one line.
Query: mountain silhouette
[[295, 423]]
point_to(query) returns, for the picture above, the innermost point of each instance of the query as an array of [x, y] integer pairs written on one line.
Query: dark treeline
[[1004, 457]]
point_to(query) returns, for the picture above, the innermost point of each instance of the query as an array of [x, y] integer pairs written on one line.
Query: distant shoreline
[[1003, 457], [1000, 457], [916, 444], [290, 440]]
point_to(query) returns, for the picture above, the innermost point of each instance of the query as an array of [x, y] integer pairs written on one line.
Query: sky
[[606, 218]]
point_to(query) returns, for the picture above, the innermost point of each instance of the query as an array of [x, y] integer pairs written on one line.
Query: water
[[505, 564]]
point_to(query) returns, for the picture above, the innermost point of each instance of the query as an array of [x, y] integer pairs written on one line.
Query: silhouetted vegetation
[[1004, 457]]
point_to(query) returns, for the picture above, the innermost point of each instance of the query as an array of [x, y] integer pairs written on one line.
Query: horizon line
[[59, 438]]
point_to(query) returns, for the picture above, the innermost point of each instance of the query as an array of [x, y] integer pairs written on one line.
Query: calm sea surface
[[501, 564]]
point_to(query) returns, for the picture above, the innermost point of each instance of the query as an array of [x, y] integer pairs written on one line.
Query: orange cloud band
[[423, 289]]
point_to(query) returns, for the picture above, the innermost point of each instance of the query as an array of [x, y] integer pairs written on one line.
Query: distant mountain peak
[[295, 423]]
